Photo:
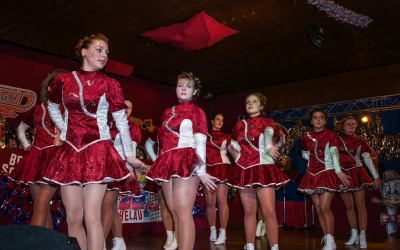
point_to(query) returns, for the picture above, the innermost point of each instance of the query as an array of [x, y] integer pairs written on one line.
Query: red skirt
[[179, 163], [264, 175], [317, 184], [359, 179], [97, 163], [32, 166], [219, 171]]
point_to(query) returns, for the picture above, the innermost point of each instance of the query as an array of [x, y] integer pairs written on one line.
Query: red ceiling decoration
[[199, 32]]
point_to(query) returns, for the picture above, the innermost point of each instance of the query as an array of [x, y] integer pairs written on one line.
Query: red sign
[[9, 159]]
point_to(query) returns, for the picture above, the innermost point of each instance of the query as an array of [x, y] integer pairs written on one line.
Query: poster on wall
[[140, 209]]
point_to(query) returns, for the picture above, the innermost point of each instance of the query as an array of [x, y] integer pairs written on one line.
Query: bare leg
[[348, 201], [72, 197], [107, 211], [267, 202], [41, 211], [317, 206], [93, 195], [248, 198], [325, 204], [359, 197], [183, 196], [167, 192], [165, 212], [211, 197], [116, 227], [222, 197]]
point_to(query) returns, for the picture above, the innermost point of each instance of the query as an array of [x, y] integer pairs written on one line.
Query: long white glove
[[305, 155], [370, 165], [121, 121], [57, 118], [149, 146], [22, 128], [200, 142], [335, 159], [268, 134], [235, 145]]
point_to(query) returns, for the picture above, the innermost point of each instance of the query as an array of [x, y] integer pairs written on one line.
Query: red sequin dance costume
[[127, 186], [351, 148], [31, 168], [320, 149], [254, 166], [183, 151], [218, 163], [88, 154]]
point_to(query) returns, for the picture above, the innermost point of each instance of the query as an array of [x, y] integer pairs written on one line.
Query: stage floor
[[289, 238]]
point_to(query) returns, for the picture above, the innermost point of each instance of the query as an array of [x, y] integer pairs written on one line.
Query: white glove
[[370, 165], [149, 146], [335, 159], [268, 134], [22, 128], [121, 122], [57, 118], [235, 145], [305, 155], [200, 142]]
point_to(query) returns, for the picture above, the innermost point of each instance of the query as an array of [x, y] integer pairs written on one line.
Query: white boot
[[118, 244], [329, 243], [173, 245], [170, 237], [213, 233], [221, 237], [353, 238], [258, 230], [323, 241], [262, 233], [363, 239], [249, 246], [275, 247], [104, 245]]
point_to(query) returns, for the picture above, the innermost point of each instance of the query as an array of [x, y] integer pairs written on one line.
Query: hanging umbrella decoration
[[201, 31]]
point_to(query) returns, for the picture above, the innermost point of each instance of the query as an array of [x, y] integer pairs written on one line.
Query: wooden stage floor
[[289, 238]]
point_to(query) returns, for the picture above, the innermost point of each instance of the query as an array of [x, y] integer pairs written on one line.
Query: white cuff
[[370, 165], [22, 128], [335, 159], [149, 146], [57, 118], [235, 145], [200, 142], [121, 122], [268, 134]]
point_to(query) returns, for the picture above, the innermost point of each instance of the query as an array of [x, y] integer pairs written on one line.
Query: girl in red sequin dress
[[154, 187], [351, 149], [218, 165], [255, 172], [180, 165], [87, 160], [324, 176], [31, 168], [110, 218]]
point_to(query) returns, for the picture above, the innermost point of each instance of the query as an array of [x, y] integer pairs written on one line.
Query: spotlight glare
[[364, 119]]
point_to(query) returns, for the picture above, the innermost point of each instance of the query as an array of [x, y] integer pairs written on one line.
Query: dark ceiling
[[272, 46]]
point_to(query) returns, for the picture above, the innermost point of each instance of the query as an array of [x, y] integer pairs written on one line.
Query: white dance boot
[[213, 233], [329, 243], [258, 229], [363, 239], [249, 246], [353, 238], [170, 237], [118, 244], [221, 237], [275, 247], [173, 245], [262, 233], [104, 245]]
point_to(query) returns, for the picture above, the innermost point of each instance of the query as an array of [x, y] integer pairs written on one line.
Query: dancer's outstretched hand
[[208, 181]]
